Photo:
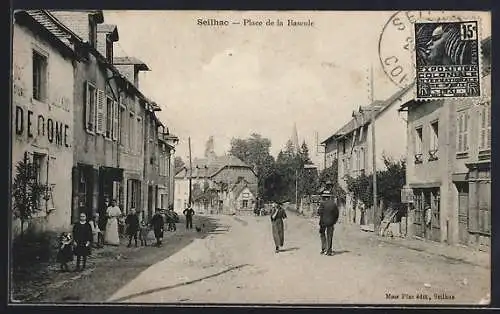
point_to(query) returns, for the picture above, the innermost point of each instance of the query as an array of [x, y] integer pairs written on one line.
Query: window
[[139, 136], [463, 132], [245, 204], [418, 145], [122, 129], [115, 127], [39, 76], [485, 127], [434, 142], [131, 132], [109, 49], [134, 194], [343, 147], [90, 107], [39, 167], [109, 117]]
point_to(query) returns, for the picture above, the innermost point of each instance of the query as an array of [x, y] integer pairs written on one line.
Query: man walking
[[189, 212], [328, 215]]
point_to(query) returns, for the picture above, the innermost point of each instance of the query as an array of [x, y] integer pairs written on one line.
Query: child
[[158, 226], [65, 253], [82, 233], [96, 231], [144, 231]]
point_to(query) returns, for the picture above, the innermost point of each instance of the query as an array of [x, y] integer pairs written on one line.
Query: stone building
[[449, 166], [44, 57]]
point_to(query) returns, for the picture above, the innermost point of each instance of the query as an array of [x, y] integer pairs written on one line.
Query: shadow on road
[[290, 249], [131, 296], [340, 252]]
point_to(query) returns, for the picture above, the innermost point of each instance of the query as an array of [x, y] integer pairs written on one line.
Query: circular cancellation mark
[[396, 43]]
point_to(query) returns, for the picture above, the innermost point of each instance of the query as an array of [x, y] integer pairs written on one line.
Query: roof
[[208, 167], [241, 185], [138, 64], [60, 33], [378, 106], [109, 29]]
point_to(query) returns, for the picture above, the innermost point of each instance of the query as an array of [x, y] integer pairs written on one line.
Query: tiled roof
[[110, 29], [131, 61], [50, 23], [208, 167], [381, 105]]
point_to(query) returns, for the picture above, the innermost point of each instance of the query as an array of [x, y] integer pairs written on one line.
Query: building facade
[[352, 145], [217, 185], [449, 166], [44, 56]]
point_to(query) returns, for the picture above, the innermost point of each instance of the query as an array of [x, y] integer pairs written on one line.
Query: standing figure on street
[[277, 216], [328, 215], [132, 223], [144, 230], [82, 234], [113, 213], [96, 231], [171, 226], [158, 226], [189, 212]]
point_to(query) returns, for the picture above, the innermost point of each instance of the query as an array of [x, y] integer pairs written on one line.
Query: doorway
[[463, 211]]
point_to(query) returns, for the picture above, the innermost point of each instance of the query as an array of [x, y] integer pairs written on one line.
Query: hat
[[326, 193]]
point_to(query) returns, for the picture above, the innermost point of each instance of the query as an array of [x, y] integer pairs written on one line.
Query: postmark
[[396, 45], [447, 59]]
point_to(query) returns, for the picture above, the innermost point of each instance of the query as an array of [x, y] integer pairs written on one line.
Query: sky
[[231, 81]]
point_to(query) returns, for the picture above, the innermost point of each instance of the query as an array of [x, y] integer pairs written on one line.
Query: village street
[[237, 264]]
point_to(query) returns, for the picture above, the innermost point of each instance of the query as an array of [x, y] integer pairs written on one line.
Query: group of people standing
[[99, 231], [328, 212]]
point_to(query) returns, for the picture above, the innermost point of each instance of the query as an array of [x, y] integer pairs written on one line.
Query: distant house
[[220, 184], [449, 165], [352, 143]]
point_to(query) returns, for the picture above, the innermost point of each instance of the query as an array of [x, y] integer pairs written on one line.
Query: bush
[[33, 248]]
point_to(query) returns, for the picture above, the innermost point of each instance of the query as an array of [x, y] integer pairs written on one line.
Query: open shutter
[[89, 122], [116, 129], [465, 136], [488, 125], [101, 104]]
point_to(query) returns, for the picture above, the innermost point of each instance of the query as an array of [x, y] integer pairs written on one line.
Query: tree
[[27, 192], [178, 163], [390, 181], [330, 174], [254, 151]]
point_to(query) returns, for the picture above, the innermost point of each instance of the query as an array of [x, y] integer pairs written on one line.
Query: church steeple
[[295, 139]]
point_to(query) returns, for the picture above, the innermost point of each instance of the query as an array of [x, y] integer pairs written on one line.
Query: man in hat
[[328, 212]]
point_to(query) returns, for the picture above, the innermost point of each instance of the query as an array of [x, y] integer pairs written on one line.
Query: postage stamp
[[447, 59]]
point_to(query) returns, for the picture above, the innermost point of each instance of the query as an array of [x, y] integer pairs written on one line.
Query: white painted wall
[[58, 107]]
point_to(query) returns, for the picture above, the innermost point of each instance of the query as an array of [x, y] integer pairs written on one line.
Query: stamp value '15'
[[447, 60]]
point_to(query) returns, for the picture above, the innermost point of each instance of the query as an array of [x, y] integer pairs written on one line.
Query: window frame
[[90, 108], [484, 108], [44, 76], [108, 116], [434, 140], [463, 130], [418, 144]]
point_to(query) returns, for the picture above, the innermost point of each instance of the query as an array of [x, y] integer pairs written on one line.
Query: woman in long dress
[[111, 236], [277, 216]]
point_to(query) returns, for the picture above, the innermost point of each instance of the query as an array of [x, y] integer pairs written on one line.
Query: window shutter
[[459, 133], [466, 131], [88, 118], [116, 129], [488, 126], [101, 100]]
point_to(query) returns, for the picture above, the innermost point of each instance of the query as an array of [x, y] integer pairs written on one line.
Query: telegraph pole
[[190, 170], [376, 218]]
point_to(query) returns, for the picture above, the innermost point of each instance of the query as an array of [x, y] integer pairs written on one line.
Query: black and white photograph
[[247, 158]]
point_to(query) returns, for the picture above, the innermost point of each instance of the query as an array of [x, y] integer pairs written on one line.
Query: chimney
[[130, 67], [107, 34]]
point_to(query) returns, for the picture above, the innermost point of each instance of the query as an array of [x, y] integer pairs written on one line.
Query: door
[[419, 221], [150, 201], [435, 218], [463, 207]]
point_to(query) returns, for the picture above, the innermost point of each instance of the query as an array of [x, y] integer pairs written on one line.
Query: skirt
[[82, 250], [278, 232], [65, 255]]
